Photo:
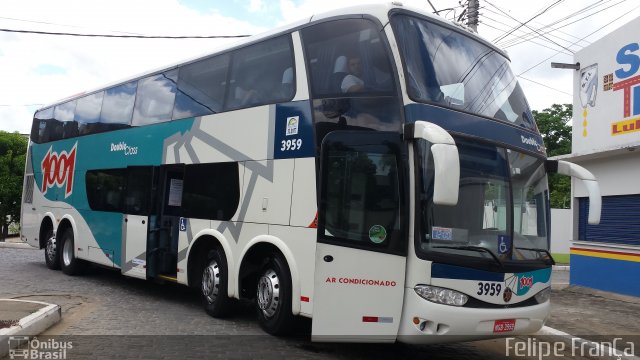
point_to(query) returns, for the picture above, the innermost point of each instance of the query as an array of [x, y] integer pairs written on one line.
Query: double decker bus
[[376, 169]]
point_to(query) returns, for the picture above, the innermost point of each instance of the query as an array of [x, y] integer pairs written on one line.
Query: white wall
[[560, 230], [617, 175]]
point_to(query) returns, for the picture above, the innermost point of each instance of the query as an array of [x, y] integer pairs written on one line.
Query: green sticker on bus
[[377, 234]]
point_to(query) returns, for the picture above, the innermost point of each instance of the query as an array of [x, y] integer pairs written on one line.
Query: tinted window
[[88, 112], [258, 72], [64, 127], [117, 106], [154, 101], [211, 191], [138, 197], [448, 68], [201, 87], [360, 194], [105, 189], [347, 56], [41, 125]]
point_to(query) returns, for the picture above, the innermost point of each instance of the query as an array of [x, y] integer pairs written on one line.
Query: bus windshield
[[502, 206], [448, 68]]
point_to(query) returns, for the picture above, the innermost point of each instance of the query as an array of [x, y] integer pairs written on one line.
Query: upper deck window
[[154, 99], [450, 69], [347, 58]]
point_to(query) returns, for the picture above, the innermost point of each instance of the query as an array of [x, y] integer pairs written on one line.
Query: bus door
[[138, 202], [361, 248], [162, 243]]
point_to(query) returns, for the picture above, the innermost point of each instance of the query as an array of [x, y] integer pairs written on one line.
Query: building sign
[[607, 93]]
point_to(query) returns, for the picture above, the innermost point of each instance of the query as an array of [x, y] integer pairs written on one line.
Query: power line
[[574, 14], [541, 84], [523, 23], [590, 7], [593, 32], [527, 36], [123, 36], [58, 24], [520, 36], [536, 43]]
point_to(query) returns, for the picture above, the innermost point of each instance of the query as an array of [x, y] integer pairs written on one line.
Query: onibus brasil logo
[[58, 170]]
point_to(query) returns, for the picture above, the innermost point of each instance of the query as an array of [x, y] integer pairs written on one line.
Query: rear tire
[[273, 297], [214, 285], [51, 256], [70, 264]]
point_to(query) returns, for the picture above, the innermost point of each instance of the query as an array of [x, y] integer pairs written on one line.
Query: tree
[[13, 149], [556, 132]]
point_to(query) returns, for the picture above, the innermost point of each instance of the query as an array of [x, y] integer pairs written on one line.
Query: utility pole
[[472, 14]]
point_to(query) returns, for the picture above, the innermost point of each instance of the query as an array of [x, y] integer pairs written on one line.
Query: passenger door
[[137, 206], [361, 248]]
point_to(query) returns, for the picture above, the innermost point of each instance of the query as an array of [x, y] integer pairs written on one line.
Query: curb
[[32, 324], [16, 245], [561, 267]]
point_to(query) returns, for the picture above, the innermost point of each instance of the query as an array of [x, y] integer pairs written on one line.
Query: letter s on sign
[[626, 56]]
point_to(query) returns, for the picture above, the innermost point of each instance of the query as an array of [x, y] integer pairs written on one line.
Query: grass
[[561, 259]]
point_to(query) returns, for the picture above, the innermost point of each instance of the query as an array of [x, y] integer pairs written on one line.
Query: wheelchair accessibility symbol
[[504, 244], [183, 224]]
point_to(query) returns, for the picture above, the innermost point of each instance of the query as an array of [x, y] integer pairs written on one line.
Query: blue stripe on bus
[[477, 126], [444, 271]]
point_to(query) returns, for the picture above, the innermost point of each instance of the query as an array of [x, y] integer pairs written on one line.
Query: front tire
[[213, 285], [51, 256], [273, 297], [70, 264]]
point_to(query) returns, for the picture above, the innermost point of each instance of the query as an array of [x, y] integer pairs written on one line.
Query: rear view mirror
[[445, 159], [589, 181]]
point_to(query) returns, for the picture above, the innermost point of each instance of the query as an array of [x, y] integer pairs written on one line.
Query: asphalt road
[[106, 315]]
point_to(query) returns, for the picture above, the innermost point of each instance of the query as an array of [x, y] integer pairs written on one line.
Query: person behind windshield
[[353, 81]]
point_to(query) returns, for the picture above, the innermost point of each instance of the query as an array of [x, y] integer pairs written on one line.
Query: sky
[[36, 70]]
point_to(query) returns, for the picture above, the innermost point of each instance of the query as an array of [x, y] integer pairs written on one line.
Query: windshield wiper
[[544, 251], [473, 248]]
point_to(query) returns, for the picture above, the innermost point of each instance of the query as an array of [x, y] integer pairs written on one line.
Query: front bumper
[[444, 323]]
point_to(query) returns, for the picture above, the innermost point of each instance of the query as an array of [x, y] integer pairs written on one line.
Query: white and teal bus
[[376, 169]]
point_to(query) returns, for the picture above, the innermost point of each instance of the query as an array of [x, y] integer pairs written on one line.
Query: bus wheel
[[51, 252], [213, 285], [70, 264], [273, 297]]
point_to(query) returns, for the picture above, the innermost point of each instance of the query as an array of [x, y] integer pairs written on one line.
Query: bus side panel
[[301, 242], [267, 191], [191, 231], [232, 136], [29, 218], [304, 206]]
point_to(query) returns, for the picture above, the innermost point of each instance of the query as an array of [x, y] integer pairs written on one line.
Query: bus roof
[[377, 10]]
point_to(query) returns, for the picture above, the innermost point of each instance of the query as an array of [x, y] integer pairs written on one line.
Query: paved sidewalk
[[20, 318], [15, 242], [586, 312]]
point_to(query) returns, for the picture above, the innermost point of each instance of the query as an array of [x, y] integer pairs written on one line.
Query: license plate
[[500, 326]]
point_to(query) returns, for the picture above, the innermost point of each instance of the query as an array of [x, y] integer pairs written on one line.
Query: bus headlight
[[441, 295], [543, 296]]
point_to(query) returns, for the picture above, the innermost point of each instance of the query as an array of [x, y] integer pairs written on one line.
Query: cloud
[[43, 69]]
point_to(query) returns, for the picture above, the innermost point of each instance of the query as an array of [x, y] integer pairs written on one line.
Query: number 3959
[[291, 145], [491, 289]]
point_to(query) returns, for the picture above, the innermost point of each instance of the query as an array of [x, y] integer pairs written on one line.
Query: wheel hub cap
[[51, 248], [269, 293], [67, 252], [211, 282]]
